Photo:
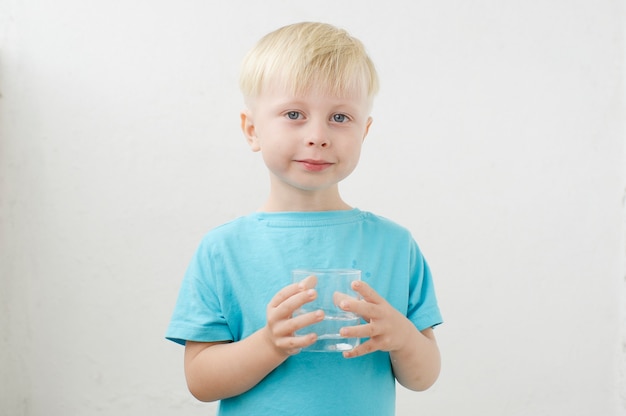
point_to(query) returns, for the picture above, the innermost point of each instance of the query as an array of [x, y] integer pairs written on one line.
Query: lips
[[314, 165]]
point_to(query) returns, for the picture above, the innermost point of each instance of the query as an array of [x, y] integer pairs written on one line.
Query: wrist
[[272, 350], [409, 336]]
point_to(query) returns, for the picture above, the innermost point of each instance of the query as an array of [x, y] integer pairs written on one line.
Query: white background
[[498, 141]]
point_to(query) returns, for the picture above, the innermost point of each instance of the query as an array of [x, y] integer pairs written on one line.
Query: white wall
[[498, 140]]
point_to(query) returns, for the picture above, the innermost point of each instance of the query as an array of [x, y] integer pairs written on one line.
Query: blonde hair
[[306, 56]]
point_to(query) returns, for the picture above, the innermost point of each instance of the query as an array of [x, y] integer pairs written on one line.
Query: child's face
[[309, 142]]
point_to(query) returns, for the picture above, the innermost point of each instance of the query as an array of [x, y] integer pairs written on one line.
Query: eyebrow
[[334, 102]]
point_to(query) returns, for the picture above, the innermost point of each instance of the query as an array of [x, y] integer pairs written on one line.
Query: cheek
[[352, 149], [350, 159], [274, 157]]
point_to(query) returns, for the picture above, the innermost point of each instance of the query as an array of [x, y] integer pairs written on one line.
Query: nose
[[317, 136], [316, 142]]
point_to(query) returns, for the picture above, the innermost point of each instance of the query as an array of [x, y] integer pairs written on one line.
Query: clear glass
[[330, 284]]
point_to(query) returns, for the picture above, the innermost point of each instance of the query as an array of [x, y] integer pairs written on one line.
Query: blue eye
[[340, 118], [293, 115]]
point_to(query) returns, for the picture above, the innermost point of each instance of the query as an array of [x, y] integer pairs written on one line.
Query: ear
[[367, 127], [247, 126]]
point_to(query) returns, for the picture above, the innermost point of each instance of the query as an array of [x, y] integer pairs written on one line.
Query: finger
[[358, 331], [293, 345], [309, 282], [364, 309], [360, 350], [288, 307], [284, 294], [339, 297], [288, 327], [307, 294], [366, 291], [294, 288], [291, 306]]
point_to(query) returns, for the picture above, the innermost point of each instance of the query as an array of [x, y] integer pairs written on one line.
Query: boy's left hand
[[387, 329]]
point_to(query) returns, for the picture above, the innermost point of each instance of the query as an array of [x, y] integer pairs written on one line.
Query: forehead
[[284, 95], [354, 89]]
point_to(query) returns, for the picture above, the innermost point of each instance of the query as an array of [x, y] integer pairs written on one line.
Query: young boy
[[308, 91]]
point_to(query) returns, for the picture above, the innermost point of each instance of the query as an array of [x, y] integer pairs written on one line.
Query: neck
[[304, 200]]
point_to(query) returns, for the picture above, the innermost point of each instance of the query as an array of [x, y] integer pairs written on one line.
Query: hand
[[281, 326], [386, 328]]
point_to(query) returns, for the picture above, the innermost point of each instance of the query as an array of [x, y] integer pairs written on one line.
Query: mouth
[[313, 165]]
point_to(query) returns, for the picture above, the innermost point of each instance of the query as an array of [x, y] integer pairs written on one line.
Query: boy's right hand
[[281, 326], [217, 370]]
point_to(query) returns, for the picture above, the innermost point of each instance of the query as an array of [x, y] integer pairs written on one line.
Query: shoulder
[[229, 232], [384, 223], [231, 226], [389, 233]]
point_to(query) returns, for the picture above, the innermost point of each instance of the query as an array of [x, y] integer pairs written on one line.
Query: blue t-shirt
[[241, 265]]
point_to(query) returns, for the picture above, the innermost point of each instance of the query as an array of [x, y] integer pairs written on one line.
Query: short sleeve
[[198, 314], [423, 309]]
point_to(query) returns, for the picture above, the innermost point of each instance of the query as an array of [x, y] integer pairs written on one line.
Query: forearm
[[416, 366], [218, 371]]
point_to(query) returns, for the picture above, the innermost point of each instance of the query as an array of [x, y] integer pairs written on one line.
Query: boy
[[308, 90]]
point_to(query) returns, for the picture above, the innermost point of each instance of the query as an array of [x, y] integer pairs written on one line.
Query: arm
[[217, 370], [414, 355], [417, 365]]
